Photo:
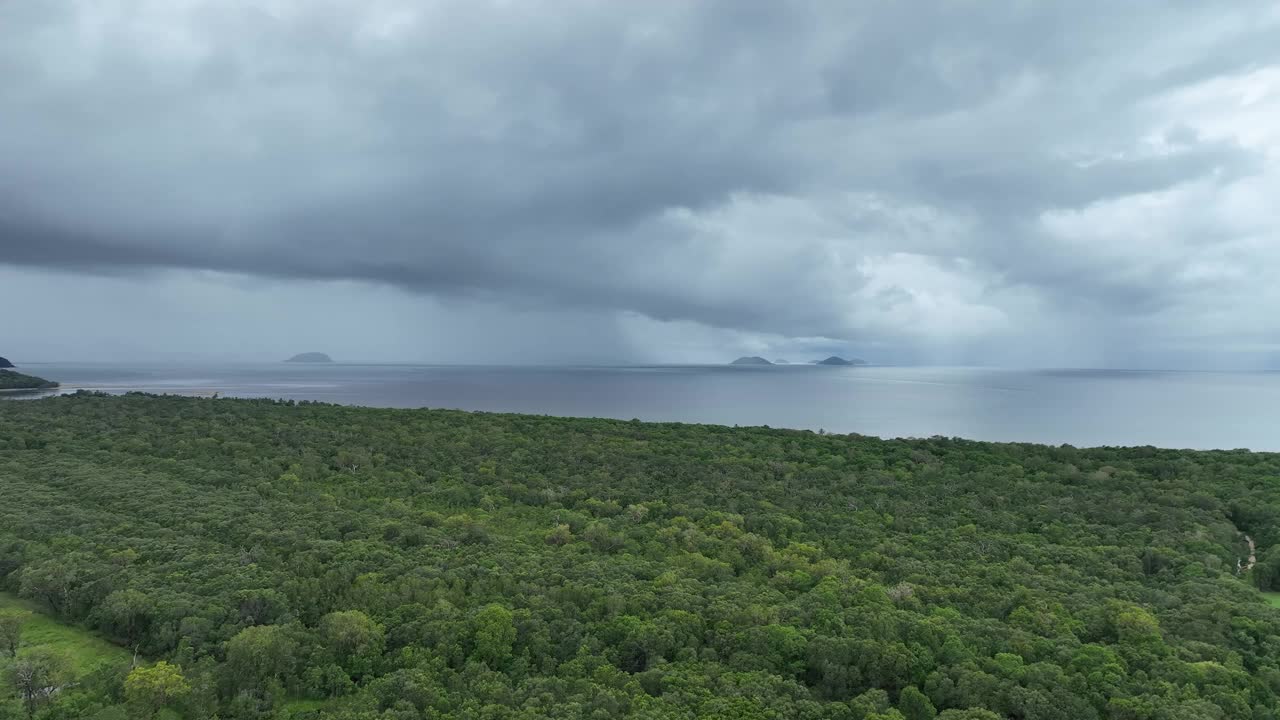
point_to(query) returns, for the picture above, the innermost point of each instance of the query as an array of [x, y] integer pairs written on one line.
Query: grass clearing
[[302, 707], [83, 648], [1273, 598]]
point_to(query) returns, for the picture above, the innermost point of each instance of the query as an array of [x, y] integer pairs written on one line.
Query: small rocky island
[[310, 357], [751, 360], [837, 360], [4, 363], [10, 380]]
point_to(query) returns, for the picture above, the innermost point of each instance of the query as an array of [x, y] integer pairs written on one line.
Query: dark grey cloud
[[878, 175]]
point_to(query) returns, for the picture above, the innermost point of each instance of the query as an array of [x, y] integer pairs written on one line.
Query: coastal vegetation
[[12, 380], [261, 559]]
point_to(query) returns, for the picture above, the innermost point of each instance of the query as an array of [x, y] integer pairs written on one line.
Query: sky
[[1087, 184]]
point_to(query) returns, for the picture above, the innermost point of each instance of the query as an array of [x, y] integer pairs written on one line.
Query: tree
[[152, 688], [915, 705], [495, 634], [36, 674], [127, 614], [355, 640], [11, 624], [558, 535], [258, 655], [52, 582]]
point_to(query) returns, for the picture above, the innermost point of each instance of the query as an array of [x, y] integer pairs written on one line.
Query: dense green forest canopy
[[13, 380], [278, 560]]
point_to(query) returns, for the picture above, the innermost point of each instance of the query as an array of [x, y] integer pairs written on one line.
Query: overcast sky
[[1010, 183]]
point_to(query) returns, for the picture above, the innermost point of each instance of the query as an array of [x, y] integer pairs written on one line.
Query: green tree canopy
[[151, 688]]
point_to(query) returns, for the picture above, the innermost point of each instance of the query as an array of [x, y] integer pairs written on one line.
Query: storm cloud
[[1033, 183]]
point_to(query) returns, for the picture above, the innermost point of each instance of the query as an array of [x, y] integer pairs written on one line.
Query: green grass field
[[82, 648], [1273, 598], [301, 707]]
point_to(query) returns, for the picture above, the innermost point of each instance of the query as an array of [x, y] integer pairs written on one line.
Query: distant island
[[833, 360], [837, 360], [4, 363], [10, 380], [310, 357]]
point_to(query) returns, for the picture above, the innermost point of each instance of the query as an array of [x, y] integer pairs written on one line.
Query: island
[[751, 360], [310, 357], [4, 363], [837, 360], [10, 380]]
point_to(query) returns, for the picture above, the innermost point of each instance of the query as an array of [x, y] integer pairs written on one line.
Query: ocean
[[1077, 407]]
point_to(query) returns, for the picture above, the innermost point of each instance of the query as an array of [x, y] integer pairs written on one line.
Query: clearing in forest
[[82, 648]]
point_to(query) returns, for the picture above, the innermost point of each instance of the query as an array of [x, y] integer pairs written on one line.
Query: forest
[[258, 559]]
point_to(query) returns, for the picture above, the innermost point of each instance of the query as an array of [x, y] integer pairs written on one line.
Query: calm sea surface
[[1079, 407]]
